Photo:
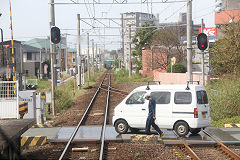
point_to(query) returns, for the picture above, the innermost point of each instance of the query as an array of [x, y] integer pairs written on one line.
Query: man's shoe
[[162, 135]]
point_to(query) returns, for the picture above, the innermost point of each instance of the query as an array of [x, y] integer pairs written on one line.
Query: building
[[27, 60], [230, 13], [135, 20], [65, 57], [181, 25]]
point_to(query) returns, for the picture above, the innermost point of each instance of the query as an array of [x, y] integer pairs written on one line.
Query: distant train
[[108, 64]]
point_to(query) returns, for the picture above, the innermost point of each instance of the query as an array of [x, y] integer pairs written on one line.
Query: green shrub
[[123, 76], [64, 96], [177, 68], [224, 98]]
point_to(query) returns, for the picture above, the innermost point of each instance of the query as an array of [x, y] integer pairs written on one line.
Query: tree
[[225, 54], [141, 40], [167, 42]]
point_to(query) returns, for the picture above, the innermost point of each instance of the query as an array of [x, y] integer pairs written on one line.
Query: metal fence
[[9, 99], [8, 90]]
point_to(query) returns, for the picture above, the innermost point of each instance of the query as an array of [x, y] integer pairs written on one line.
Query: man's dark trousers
[[150, 122]]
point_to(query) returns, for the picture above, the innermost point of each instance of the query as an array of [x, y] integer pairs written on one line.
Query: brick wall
[[157, 60], [176, 78]]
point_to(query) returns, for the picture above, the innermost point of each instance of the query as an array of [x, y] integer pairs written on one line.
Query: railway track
[[91, 112], [218, 151]]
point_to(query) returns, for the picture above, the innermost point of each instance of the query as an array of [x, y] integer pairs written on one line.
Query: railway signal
[[202, 40], [55, 35]]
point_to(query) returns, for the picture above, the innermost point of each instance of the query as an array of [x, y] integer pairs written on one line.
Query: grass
[[123, 76], [220, 123], [67, 93], [92, 79], [224, 100], [43, 85]]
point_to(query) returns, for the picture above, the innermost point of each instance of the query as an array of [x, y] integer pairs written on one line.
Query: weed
[[224, 99]]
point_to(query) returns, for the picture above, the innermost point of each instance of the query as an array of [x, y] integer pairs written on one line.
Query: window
[[29, 56], [183, 98], [202, 97], [136, 98], [161, 97]]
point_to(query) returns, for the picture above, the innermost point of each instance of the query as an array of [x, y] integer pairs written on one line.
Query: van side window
[[136, 98], [183, 98], [202, 97], [161, 97]]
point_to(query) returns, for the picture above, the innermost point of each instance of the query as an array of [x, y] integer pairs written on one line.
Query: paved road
[[66, 80], [94, 133]]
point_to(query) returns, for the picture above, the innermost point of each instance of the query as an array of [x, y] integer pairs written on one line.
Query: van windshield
[[136, 98], [202, 97]]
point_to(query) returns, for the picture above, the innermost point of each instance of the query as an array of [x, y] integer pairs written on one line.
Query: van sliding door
[[163, 108]]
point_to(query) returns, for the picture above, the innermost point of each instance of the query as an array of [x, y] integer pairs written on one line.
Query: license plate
[[204, 115]]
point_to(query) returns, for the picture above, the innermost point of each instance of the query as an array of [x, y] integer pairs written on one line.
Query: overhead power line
[[121, 2]]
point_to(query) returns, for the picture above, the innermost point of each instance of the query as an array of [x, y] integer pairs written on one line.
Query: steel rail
[[187, 148], [125, 92], [223, 147], [105, 119], [83, 117], [121, 94]]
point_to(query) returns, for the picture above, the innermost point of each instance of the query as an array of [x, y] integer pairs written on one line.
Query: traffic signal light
[[202, 41], [55, 35]]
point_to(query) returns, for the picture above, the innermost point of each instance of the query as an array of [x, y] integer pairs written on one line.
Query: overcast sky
[[31, 17]]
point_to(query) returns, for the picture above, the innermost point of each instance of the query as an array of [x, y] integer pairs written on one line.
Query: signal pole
[[53, 56], [88, 58], [93, 69], [130, 52], [96, 66], [189, 41], [203, 76], [79, 50]]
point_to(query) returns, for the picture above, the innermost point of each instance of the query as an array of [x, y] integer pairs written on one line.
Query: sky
[[31, 18]]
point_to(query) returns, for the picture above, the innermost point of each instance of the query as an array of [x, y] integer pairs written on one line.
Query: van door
[[163, 108], [135, 110], [182, 106], [203, 107]]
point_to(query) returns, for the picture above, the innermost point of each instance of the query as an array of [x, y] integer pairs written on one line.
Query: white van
[[182, 108]]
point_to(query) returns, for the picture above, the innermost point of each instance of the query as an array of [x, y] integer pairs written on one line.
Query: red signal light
[[55, 39], [202, 45]]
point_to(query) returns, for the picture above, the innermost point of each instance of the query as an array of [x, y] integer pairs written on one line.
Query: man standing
[[152, 116]]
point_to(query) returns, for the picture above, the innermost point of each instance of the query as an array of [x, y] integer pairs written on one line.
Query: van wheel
[[121, 127], [181, 128], [134, 130], [195, 130]]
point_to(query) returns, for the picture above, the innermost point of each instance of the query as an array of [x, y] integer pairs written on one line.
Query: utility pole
[[41, 71], [88, 58], [203, 75], [66, 56], [96, 58], [53, 56], [130, 54], [2, 47], [93, 68], [79, 50], [100, 59], [189, 41]]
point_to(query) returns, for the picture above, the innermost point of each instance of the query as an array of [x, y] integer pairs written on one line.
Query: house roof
[[27, 48], [45, 43], [38, 43]]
